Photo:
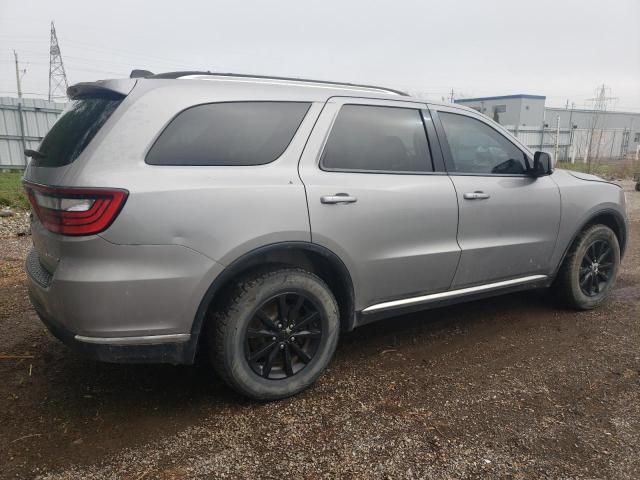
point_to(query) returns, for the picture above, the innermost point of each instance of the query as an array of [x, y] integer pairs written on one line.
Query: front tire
[[276, 334], [588, 273]]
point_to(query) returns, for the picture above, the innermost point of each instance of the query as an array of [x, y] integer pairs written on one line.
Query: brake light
[[75, 211]]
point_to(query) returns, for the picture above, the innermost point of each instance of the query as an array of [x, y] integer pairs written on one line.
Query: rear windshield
[[234, 133], [73, 130]]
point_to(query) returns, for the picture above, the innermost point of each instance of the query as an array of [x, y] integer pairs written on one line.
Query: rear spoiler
[[116, 89]]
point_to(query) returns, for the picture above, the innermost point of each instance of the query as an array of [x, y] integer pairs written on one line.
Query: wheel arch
[[310, 256], [608, 217]]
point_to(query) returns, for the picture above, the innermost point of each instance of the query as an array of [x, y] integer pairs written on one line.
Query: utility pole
[[571, 127], [613, 141], [57, 75], [555, 152], [451, 98], [21, 120], [19, 87]]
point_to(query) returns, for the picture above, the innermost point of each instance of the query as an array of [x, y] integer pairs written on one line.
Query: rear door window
[[233, 133], [370, 138], [73, 130]]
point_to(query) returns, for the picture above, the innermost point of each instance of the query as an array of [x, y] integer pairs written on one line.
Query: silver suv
[[255, 218]]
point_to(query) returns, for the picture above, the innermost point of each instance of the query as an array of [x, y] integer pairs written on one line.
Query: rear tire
[[276, 334], [589, 271]]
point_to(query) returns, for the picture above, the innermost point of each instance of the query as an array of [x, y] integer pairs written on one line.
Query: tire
[[575, 286], [243, 329]]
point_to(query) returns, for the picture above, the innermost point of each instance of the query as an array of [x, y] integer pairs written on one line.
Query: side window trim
[[448, 157], [437, 159], [437, 162]]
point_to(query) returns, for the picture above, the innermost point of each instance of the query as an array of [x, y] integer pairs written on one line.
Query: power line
[[126, 53]]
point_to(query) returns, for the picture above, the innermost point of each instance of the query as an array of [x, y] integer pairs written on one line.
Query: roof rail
[[270, 77]]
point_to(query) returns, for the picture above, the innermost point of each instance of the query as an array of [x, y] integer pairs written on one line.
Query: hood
[[586, 176], [589, 177]]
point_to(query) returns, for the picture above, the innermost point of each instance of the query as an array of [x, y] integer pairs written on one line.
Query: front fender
[[582, 202]]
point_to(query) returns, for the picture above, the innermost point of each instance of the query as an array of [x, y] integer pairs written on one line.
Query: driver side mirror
[[542, 165]]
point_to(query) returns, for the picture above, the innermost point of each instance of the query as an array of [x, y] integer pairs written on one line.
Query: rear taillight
[[75, 211]]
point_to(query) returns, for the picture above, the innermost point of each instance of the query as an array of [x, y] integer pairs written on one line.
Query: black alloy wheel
[[283, 336], [275, 334], [588, 273], [596, 268]]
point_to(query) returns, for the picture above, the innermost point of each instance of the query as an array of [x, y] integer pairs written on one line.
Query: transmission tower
[[57, 76], [600, 103]]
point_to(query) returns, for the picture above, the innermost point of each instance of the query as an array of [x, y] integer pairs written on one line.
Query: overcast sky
[[561, 49]]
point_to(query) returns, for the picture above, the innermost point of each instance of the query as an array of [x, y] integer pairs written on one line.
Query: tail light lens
[[75, 211]]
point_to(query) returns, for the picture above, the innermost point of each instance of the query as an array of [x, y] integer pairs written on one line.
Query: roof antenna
[[140, 74]]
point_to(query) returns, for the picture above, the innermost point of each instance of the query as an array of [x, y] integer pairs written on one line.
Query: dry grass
[[609, 169]]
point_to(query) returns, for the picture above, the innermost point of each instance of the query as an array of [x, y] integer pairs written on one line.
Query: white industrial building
[[566, 133]]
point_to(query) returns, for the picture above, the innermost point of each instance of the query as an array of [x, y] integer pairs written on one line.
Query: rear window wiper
[[34, 153]]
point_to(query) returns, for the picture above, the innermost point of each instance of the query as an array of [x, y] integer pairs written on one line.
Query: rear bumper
[[182, 352], [123, 303]]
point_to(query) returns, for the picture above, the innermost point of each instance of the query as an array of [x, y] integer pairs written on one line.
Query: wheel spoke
[[309, 318], [266, 321], [605, 266], [266, 368], [295, 311], [262, 352], [301, 354], [604, 253], [603, 275], [288, 365], [283, 308], [594, 284], [586, 278], [308, 334], [253, 333]]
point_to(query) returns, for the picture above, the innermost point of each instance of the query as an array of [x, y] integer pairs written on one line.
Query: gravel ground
[[17, 224], [508, 387]]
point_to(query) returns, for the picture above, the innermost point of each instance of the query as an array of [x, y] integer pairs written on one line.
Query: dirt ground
[[503, 388]]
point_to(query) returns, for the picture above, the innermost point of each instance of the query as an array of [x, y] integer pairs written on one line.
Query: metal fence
[[578, 144], [23, 125]]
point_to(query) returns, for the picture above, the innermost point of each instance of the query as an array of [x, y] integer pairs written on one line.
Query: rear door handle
[[476, 195], [338, 198]]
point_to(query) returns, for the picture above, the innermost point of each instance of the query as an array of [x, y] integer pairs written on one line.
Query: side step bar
[[405, 302], [144, 340]]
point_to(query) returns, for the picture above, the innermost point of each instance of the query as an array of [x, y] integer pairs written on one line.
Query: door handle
[[478, 195], [338, 198]]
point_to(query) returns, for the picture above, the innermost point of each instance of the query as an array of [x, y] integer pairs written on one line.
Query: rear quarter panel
[[221, 212]]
